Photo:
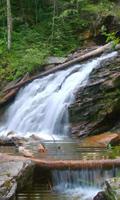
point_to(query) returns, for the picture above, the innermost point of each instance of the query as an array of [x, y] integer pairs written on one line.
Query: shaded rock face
[[101, 196], [97, 105], [13, 174], [110, 23]]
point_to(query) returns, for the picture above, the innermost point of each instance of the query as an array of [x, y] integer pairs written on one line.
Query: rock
[[111, 190], [6, 142], [14, 171], [25, 152], [13, 141], [97, 105], [112, 185], [109, 23], [102, 140], [55, 60], [41, 148], [100, 196]]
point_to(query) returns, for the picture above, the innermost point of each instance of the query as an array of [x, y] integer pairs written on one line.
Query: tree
[[9, 25]]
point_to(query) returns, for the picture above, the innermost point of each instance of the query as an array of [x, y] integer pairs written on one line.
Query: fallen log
[[66, 164], [96, 52], [77, 164], [10, 94]]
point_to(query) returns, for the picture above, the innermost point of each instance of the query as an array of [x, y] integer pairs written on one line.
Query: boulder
[[55, 60], [14, 171], [113, 186], [101, 140], [100, 196], [25, 152], [12, 141], [111, 190]]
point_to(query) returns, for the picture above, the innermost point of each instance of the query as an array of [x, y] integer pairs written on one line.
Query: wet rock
[[102, 140], [100, 196], [113, 187], [25, 152], [13, 141], [6, 142], [14, 171], [111, 190], [97, 105]]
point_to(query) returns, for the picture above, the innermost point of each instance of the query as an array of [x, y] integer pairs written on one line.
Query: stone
[[14, 171], [96, 108], [100, 196], [25, 152], [111, 190], [101, 140], [55, 60], [112, 185], [12, 141]]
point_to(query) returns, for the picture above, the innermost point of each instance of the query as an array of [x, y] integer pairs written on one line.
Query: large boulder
[[111, 190], [97, 105], [101, 140]]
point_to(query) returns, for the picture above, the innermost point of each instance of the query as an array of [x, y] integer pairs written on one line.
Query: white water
[[81, 184], [41, 107]]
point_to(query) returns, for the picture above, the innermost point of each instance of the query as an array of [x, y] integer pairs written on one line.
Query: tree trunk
[[76, 164], [9, 25], [94, 53]]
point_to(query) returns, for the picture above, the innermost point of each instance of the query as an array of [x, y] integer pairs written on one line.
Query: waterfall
[[41, 108], [81, 184]]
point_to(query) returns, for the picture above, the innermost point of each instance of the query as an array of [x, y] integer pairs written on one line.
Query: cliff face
[[97, 105]]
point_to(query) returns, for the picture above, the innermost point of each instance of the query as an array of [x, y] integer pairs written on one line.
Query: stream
[[41, 110]]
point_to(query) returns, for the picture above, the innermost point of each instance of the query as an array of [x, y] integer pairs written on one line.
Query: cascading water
[[81, 184], [41, 108]]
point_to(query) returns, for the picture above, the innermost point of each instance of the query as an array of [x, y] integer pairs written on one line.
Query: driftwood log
[[9, 95], [77, 164], [10, 92], [96, 52], [66, 164]]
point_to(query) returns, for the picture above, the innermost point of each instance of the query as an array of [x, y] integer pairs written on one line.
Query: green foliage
[[46, 27], [110, 37]]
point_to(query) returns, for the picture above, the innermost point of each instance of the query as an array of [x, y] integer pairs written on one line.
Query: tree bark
[[77, 164], [9, 25], [7, 97], [66, 164], [94, 53]]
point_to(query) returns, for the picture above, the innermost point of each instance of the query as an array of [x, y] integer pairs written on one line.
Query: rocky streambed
[[14, 172]]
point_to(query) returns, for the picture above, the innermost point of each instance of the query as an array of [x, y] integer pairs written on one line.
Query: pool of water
[[65, 184], [67, 149]]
